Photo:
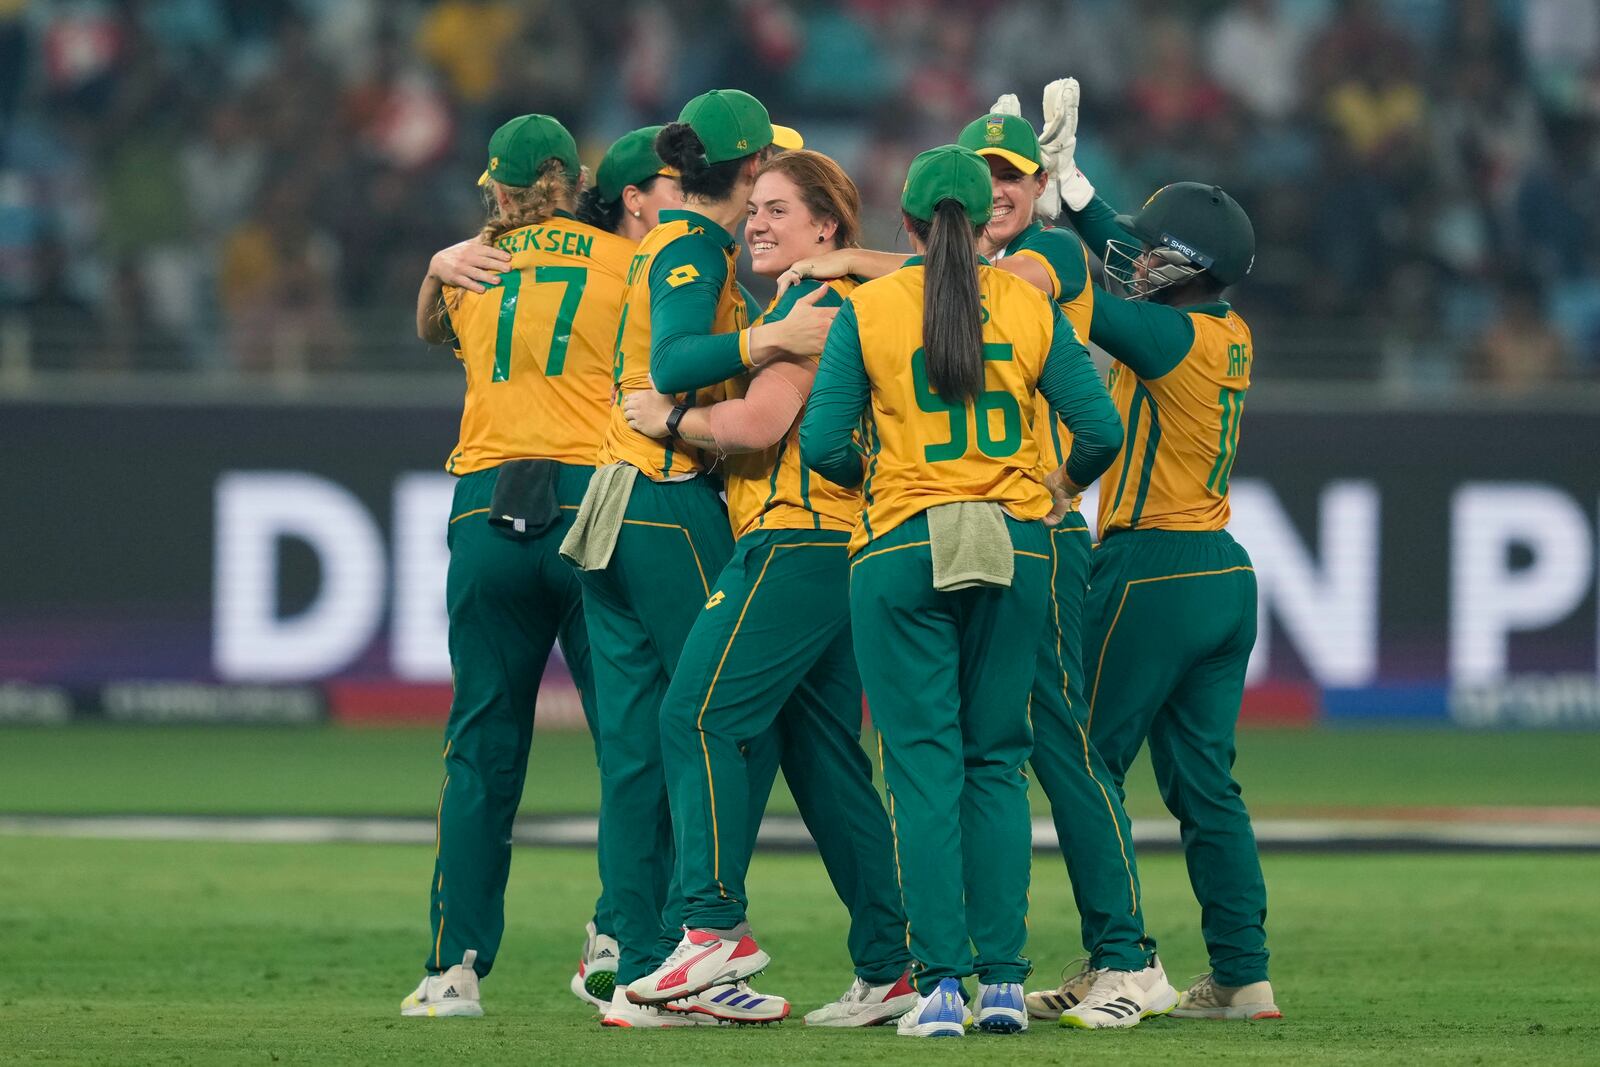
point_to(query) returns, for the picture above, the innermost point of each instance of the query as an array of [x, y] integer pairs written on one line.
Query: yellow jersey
[[1182, 433], [773, 490], [660, 460], [921, 450], [1066, 261], [536, 348]]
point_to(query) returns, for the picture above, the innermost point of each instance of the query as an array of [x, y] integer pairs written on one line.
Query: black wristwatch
[[674, 417]]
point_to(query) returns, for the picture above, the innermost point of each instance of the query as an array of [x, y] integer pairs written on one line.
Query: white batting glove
[[1059, 144], [1006, 104]]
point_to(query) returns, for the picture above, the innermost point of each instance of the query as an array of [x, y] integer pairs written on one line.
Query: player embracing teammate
[[894, 505]]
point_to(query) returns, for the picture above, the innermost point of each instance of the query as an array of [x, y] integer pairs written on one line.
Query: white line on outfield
[[788, 832]]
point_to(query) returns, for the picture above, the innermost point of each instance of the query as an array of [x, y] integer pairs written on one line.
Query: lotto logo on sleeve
[[682, 275]]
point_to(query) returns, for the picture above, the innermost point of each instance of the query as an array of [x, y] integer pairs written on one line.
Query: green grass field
[[329, 771], [125, 952]]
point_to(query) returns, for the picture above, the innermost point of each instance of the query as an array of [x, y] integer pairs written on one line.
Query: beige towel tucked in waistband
[[593, 537], [970, 545]]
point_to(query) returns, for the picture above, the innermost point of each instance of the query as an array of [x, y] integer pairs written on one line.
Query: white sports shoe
[[736, 1003], [1208, 1000], [1050, 1003], [701, 960], [1119, 999], [625, 1013], [942, 1013], [453, 994], [597, 969], [1000, 1009], [867, 1005]]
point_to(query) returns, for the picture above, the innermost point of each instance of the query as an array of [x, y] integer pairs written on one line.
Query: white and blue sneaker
[[942, 1013], [1000, 1008]]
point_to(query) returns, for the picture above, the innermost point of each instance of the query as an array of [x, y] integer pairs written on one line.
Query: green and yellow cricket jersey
[[682, 310], [1066, 261], [536, 347], [772, 489], [1182, 430], [921, 450]]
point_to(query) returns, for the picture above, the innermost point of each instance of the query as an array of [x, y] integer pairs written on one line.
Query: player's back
[[923, 450], [537, 347], [1182, 432]]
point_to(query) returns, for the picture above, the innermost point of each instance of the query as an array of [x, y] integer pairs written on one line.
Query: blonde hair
[[551, 189]]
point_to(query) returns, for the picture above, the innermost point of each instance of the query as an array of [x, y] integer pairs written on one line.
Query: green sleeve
[[1150, 338], [838, 397], [1064, 252], [1072, 386], [781, 309], [684, 353], [1097, 224]]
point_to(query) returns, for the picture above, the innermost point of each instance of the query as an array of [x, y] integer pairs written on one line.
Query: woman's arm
[[1071, 385], [469, 264], [433, 324], [685, 287], [861, 262], [752, 423], [838, 397]]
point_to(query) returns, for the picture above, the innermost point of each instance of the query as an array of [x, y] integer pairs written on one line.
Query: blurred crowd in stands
[[259, 183]]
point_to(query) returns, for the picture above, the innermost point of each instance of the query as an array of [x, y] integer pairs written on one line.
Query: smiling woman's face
[[780, 229], [1014, 194]]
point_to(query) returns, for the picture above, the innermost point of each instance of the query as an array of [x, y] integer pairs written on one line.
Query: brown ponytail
[[552, 189], [952, 335]]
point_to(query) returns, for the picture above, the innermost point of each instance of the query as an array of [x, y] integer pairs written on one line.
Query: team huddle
[[737, 522]]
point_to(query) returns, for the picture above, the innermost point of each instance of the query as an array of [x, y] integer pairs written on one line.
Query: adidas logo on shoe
[[450, 993], [1120, 1008]]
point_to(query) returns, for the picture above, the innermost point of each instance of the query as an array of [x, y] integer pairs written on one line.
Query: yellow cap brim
[[787, 137], [1022, 163], [483, 179]]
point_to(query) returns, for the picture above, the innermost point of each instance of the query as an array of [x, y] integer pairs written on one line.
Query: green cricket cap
[[1200, 221], [731, 124], [948, 172], [631, 161], [520, 147], [1010, 137]]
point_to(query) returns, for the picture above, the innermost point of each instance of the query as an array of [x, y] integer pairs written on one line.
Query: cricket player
[[537, 341], [939, 363], [773, 644], [1171, 612], [1091, 825], [652, 532], [631, 187]]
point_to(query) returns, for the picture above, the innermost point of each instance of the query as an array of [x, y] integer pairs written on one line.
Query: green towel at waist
[[970, 545], [593, 537]]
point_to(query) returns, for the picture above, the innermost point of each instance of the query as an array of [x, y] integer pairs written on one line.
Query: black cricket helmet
[[1187, 228]]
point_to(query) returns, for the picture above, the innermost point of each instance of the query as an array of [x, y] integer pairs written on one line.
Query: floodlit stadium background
[[223, 493]]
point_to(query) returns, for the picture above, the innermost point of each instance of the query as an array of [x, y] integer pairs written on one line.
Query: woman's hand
[[802, 332], [471, 264], [1062, 493], [835, 264], [647, 411]]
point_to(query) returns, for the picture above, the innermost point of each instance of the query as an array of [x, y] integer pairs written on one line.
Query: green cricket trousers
[[674, 540], [1170, 621], [947, 676], [510, 599], [772, 645], [1093, 830]]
